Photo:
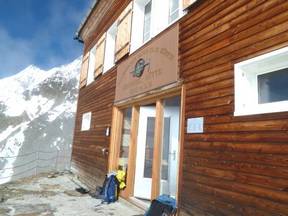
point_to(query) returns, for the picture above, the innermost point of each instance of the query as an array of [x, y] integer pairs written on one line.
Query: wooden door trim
[[158, 137], [152, 96], [129, 191], [115, 139], [181, 143]]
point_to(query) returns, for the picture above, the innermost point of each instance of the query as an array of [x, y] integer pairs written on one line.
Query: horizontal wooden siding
[[87, 158], [239, 165]]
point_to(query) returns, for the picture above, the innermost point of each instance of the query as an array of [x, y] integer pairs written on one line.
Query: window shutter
[[123, 33], [84, 70], [100, 52], [188, 3]]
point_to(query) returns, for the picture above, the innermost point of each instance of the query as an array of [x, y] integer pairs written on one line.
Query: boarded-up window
[[100, 53], [123, 33], [187, 3], [84, 70]]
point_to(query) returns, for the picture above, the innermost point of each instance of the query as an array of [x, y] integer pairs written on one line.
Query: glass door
[[170, 144], [145, 149], [156, 161], [125, 140]]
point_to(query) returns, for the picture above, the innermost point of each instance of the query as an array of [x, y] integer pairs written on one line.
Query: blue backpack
[[163, 205], [110, 190]]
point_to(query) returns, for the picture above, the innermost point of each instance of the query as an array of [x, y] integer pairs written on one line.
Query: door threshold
[[130, 203], [143, 204]]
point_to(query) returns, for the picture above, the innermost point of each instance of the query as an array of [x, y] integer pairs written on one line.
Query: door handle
[[105, 151]]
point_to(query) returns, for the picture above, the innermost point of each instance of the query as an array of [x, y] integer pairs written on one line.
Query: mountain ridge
[[37, 111]]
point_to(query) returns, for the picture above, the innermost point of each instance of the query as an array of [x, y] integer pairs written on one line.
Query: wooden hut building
[[190, 98]]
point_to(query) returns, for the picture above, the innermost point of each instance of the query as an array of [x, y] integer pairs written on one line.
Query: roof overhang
[[84, 21]]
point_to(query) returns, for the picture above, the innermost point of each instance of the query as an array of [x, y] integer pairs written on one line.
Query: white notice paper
[[195, 125]]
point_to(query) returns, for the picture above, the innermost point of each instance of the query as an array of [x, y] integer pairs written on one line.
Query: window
[[125, 141], [110, 48], [141, 23], [170, 146], [261, 84], [273, 87], [149, 147], [86, 121], [147, 22], [173, 10], [150, 17], [91, 67]]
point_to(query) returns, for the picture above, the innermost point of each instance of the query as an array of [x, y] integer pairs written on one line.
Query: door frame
[[116, 134]]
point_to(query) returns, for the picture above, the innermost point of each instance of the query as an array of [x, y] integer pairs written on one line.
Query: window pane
[[173, 10], [273, 87], [110, 47], [166, 148], [147, 22], [149, 147], [170, 144], [91, 67], [124, 148]]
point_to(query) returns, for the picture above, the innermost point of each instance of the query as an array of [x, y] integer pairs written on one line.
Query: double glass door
[[169, 151]]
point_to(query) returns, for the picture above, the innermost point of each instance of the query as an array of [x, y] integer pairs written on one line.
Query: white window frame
[[246, 83], [145, 20], [91, 65], [110, 46], [170, 21], [159, 20], [137, 30], [86, 121]]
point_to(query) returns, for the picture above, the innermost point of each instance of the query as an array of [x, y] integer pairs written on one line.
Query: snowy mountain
[[37, 114]]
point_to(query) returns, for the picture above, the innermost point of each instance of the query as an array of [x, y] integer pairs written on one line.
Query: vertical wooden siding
[[239, 165], [87, 158]]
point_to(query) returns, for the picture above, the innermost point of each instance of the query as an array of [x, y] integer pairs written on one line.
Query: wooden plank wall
[[239, 166], [87, 158]]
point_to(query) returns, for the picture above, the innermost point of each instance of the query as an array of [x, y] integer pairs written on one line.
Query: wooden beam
[[181, 138], [157, 153], [151, 96], [115, 140], [129, 191]]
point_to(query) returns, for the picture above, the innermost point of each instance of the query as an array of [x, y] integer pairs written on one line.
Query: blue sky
[[39, 32]]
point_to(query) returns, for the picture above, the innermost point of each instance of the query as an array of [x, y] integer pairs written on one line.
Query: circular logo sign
[[139, 68]]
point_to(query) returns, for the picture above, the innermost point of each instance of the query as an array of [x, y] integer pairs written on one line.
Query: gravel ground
[[56, 196]]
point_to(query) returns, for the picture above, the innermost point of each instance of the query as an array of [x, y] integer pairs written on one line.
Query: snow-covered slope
[[37, 110]]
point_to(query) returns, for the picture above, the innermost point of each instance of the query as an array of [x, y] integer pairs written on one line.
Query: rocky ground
[[55, 195]]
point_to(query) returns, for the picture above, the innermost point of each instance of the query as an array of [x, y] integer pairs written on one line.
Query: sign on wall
[[195, 125], [153, 66]]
